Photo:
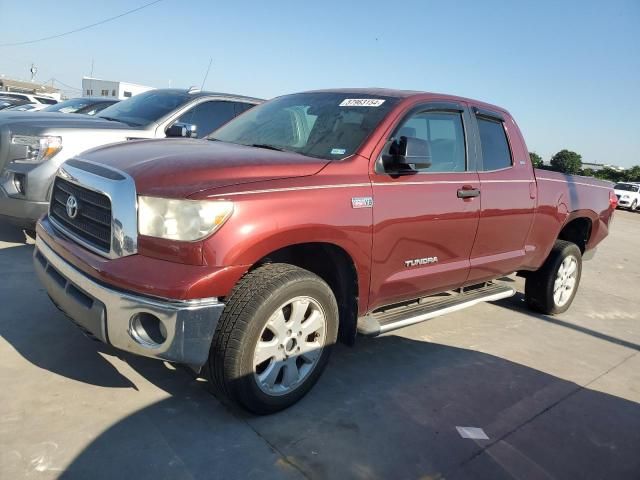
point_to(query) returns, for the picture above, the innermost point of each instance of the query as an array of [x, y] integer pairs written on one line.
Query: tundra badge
[[420, 261]]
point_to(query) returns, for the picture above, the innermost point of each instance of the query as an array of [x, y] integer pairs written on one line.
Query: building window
[[113, 93], [127, 94], [104, 93], [89, 92]]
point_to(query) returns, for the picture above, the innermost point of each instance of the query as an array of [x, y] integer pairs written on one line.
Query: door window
[[495, 147], [242, 107], [208, 116], [444, 133]]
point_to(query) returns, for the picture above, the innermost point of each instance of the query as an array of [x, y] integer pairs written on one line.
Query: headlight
[[625, 196], [185, 220], [39, 149]]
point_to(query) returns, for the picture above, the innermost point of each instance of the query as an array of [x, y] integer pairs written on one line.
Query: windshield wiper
[[267, 146]]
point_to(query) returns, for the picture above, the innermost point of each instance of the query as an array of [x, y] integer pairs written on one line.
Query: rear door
[[423, 231], [508, 192]]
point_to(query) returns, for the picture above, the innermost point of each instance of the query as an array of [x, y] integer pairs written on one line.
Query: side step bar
[[427, 308]]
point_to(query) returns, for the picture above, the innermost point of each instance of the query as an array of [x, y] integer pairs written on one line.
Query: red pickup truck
[[304, 221]]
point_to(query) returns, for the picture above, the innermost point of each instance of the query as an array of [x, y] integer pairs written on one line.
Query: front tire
[[274, 338], [634, 206], [552, 288]]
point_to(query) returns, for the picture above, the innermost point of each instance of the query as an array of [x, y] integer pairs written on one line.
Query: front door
[[425, 222]]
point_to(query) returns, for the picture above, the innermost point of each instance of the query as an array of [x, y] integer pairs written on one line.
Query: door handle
[[468, 192]]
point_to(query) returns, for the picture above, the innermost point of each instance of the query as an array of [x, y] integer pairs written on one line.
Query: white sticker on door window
[[362, 102], [338, 151]]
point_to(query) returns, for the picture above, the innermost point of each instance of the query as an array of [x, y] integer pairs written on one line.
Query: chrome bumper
[[173, 330]]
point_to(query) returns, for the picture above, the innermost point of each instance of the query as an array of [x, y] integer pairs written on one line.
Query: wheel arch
[[578, 228], [335, 266]]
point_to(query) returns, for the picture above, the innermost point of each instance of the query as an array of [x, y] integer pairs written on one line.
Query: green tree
[[632, 174], [536, 160], [566, 161], [610, 174]]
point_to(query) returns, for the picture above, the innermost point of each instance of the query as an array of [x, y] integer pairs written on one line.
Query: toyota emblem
[[72, 206]]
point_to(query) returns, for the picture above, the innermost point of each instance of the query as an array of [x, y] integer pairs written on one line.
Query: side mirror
[[185, 130], [407, 154]]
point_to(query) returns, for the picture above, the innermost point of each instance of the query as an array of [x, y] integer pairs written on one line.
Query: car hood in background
[[60, 120]]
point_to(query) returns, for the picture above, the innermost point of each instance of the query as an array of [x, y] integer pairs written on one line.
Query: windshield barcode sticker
[[361, 102]]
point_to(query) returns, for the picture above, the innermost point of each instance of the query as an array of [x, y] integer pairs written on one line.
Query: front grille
[[92, 223]]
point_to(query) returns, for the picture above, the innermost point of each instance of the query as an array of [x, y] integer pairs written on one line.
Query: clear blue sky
[[569, 71]]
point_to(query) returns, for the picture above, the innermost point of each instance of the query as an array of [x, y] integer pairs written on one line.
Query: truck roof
[[203, 93], [405, 94]]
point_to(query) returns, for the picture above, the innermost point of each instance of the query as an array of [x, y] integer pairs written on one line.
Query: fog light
[[19, 181], [148, 329]]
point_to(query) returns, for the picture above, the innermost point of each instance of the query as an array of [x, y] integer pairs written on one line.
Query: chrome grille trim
[[121, 194]]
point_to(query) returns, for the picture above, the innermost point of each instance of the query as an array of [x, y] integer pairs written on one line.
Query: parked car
[[85, 105], [628, 194], [307, 219], [30, 98], [33, 146], [6, 102], [26, 107]]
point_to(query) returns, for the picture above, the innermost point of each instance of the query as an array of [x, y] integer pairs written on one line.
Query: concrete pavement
[[558, 397]]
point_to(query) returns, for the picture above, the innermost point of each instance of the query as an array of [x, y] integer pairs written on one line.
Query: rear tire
[[552, 288], [274, 338]]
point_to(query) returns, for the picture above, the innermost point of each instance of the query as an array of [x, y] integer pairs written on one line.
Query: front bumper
[[172, 330], [20, 211]]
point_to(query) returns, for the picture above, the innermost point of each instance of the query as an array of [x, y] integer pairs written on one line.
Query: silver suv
[[34, 145]]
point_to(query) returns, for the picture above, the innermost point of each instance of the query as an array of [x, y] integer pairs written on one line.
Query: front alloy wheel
[[274, 338], [289, 346]]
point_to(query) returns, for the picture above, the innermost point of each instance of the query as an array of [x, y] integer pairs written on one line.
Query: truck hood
[[53, 120], [178, 168]]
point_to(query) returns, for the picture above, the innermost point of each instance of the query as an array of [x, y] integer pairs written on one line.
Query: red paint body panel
[[145, 275], [283, 199]]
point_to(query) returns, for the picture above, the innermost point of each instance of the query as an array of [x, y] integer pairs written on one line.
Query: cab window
[[495, 147], [208, 116], [444, 133]]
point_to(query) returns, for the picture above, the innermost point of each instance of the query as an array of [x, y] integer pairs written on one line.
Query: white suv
[[43, 99], [628, 195]]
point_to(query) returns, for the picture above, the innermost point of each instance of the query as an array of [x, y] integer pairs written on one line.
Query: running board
[[427, 308]]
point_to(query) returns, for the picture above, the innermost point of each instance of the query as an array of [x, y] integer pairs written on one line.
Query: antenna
[[206, 74]]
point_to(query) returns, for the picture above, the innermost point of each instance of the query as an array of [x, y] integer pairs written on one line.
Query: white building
[[94, 87]]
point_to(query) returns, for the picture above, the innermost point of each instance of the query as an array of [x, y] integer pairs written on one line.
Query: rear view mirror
[[185, 130], [407, 153]]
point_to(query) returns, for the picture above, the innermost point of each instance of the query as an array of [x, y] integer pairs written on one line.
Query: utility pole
[[33, 71]]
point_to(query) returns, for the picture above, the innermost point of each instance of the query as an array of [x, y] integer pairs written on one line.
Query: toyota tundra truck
[[303, 222]]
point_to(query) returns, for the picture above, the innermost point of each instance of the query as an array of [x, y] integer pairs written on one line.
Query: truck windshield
[[145, 108], [626, 187], [324, 125], [68, 106]]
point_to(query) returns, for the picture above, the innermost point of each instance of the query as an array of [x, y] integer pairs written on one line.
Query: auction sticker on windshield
[[362, 102]]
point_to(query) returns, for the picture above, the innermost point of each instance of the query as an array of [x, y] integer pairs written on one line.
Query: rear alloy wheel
[[552, 288], [565, 282], [274, 338]]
